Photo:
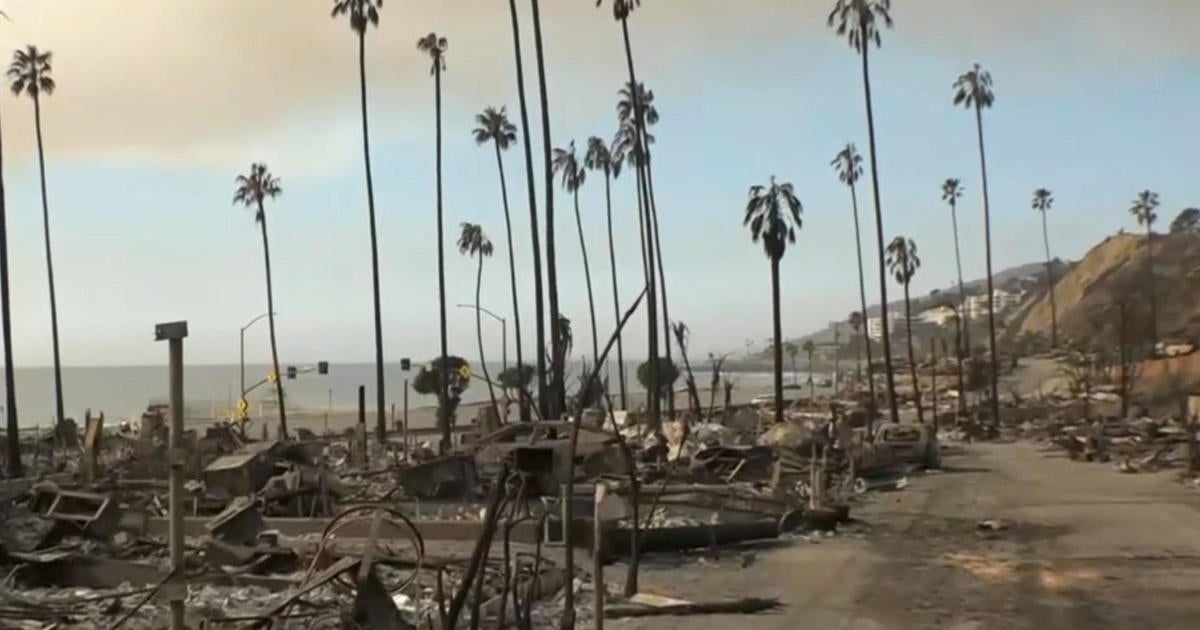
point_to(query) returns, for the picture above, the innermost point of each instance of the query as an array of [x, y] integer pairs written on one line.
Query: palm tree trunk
[[271, 325], [1149, 282], [812, 385], [1050, 285], [534, 239], [512, 273], [612, 263], [912, 361], [862, 296], [962, 290], [58, 391], [887, 340], [479, 335], [362, 88], [587, 278], [837, 365], [444, 384], [777, 332], [958, 354], [662, 276], [557, 386], [655, 420], [13, 446], [933, 385], [987, 236]]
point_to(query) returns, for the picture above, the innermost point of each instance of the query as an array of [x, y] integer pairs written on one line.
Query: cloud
[[202, 82]]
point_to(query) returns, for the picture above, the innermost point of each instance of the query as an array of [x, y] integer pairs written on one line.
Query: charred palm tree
[[809, 349], [252, 190], [436, 47], [773, 215], [903, 261], [860, 22], [848, 165], [600, 157], [495, 128], [856, 324], [557, 398], [362, 13], [29, 73], [13, 446], [973, 90], [1143, 208], [1042, 200], [534, 237], [682, 335], [473, 242], [951, 192], [566, 163]]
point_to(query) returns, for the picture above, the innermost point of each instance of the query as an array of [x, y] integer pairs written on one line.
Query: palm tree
[[856, 324], [860, 21], [973, 89], [848, 164], [640, 138], [13, 446], [809, 349], [1042, 200], [566, 162], [29, 73], [1143, 208], [362, 13], [793, 351], [773, 215], [252, 190], [495, 128], [534, 238], [903, 261], [600, 157], [951, 192], [436, 47], [557, 395], [473, 242]]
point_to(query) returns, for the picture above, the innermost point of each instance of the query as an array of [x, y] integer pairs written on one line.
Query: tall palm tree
[[436, 48], [566, 163], [1143, 208], [903, 261], [495, 128], [473, 242], [860, 22], [534, 237], [848, 164], [360, 14], [973, 90], [773, 215], [252, 190], [13, 446], [557, 399], [809, 349], [951, 192], [600, 157], [29, 73], [626, 110], [1042, 200], [855, 320], [640, 138]]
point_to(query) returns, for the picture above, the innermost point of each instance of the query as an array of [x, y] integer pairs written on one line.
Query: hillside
[[1090, 292]]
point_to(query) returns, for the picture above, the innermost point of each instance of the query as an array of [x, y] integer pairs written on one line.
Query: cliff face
[[1090, 293]]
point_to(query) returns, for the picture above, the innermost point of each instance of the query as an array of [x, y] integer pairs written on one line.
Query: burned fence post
[[174, 333]]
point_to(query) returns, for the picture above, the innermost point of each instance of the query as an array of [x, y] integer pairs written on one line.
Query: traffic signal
[[291, 372], [405, 364], [322, 367]]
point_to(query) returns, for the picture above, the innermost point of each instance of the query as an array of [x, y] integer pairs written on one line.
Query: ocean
[[212, 390]]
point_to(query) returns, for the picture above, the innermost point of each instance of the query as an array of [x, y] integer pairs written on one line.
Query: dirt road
[[1080, 546]]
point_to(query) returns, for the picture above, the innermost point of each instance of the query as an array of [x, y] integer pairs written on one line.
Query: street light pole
[[242, 352], [503, 331]]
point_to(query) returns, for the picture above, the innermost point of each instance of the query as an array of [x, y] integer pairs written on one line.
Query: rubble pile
[[342, 531]]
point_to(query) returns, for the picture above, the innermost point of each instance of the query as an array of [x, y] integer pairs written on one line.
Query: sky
[[161, 105]]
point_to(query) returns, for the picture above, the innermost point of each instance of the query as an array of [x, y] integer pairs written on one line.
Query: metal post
[[174, 333], [242, 362], [503, 344], [328, 410], [405, 428]]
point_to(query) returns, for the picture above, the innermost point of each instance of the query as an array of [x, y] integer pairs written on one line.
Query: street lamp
[[503, 331], [242, 350]]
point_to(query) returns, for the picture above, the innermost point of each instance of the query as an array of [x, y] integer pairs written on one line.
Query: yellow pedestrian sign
[[464, 372], [273, 377], [242, 407]]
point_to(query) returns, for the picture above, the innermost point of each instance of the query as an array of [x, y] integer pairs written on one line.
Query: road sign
[[243, 405], [272, 377], [464, 372]]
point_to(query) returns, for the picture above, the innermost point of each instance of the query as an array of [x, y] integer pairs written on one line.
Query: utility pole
[[174, 333]]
